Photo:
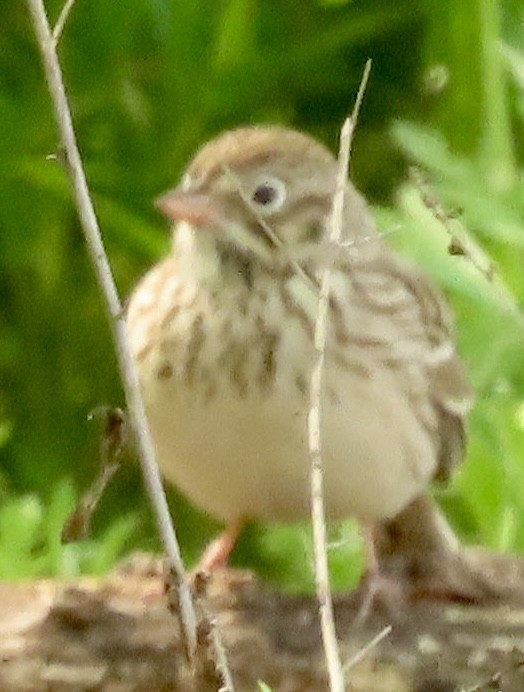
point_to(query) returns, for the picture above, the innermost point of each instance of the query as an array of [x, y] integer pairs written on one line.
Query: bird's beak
[[195, 208]]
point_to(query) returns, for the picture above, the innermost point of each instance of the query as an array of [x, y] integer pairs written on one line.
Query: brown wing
[[449, 390], [417, 336]]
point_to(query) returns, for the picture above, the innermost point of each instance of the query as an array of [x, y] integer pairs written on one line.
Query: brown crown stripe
[[204, 175]]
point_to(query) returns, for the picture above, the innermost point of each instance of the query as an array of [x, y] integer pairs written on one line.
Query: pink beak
[[195, 208]]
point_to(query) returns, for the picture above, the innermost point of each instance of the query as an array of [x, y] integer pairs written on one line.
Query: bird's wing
[[449, 391], [417, 329]]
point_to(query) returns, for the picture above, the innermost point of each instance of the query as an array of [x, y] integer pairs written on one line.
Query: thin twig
[[364, 651], [62, 19], [329, 636], [462, 244], [209, 638], [113, 441], [95, 247], [327, 622]]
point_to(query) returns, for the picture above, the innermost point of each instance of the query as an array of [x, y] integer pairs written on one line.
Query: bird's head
[[254, 195]]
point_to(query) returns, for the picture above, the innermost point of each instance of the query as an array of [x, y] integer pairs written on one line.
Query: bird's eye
[[269, 195]]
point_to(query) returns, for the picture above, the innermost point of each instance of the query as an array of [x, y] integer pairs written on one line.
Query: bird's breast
[[225, 380]]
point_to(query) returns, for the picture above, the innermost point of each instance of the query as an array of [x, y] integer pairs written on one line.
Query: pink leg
[[218, 551]]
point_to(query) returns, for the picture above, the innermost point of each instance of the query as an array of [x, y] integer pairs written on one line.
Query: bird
[[221, 331]]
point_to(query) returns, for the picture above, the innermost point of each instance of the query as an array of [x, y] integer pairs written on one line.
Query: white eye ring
[[269, 195]]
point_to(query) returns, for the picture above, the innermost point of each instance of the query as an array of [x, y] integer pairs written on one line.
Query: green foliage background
[[149, 81]]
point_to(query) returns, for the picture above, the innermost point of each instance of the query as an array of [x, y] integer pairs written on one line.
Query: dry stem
[[327, 622], [47, 44], [61, 21], [364, 651]]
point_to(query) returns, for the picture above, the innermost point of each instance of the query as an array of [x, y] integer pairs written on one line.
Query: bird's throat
[[237, 263], [215, 261]]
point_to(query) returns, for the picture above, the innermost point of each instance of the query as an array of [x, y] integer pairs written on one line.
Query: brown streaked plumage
[[222, 333]]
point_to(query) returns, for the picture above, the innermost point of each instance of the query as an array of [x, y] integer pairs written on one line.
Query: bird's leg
[[419, 549], [374, 588], [218, 551], [370, 581]]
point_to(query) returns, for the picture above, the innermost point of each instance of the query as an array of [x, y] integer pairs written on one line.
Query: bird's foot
[[451, 577], [378, 595], [419, 550]]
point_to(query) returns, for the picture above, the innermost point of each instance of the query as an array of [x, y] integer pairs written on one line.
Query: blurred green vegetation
[[148, 83]]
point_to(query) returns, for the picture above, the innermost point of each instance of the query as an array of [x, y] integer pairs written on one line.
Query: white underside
[[249, 458]]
